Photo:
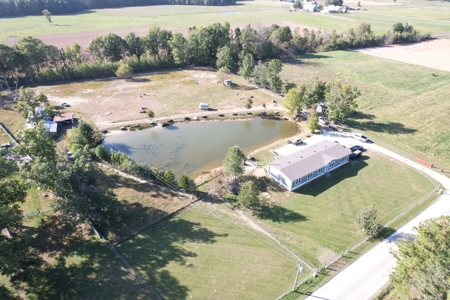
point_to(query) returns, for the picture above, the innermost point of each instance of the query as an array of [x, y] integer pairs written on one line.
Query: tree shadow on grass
[[155, 248], [389, 127], [323, 183], [279, 214]]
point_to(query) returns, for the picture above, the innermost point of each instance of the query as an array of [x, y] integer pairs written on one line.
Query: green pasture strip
[[430, 18], [208, 252], [318, 220], [401, 104]]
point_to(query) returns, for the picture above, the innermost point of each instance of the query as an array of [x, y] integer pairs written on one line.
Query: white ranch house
[[299, 168]]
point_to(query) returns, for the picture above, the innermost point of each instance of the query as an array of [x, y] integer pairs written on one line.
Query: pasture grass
[[141, 204], [79, 268], [401, 104], [311, 285], [209, 251], [318, 220], [425, 16]]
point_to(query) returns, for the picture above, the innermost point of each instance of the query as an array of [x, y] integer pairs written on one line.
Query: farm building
[[311, 6], [299, 168], [203, 106], [51, 126], [64, 118]]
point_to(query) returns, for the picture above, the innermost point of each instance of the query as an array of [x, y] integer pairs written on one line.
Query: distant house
[[203, 106], [64, 118], [299, 168], [331, 9], [51, 127], [311, 6]]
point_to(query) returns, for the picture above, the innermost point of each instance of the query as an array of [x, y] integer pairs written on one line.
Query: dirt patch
[[431, 54], [110, 103]]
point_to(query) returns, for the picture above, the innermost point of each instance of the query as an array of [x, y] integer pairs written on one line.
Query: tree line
[[245, 51], [13, 8]]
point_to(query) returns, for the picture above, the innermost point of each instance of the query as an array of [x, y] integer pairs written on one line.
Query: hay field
[[172, 93], [402, 105], [425, 16], [431, 54], [209, 252]]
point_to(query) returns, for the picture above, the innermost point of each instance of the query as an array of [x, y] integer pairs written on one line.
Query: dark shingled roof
[[310, 159]]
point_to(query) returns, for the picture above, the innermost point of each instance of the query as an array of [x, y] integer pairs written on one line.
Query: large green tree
[[423, 263], [234, 161], [249, 195], [293, 101], [19, 259], [186, 183], [36, 142], [179, 46], [225, 59], [273, 75], [341, 100], [134, 44], [85, 134], [246, 66], [38, 54]]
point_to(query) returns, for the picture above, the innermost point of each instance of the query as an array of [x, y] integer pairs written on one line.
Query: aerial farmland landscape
[[224, 149]]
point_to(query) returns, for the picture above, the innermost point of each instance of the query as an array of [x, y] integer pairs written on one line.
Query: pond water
[[197, 146]]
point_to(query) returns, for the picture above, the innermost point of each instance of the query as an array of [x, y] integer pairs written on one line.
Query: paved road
[[365, 277]]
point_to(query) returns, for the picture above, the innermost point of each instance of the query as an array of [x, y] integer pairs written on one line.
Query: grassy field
[[318, 219], [141, 204], [401, 104], [207, 252], [426, 16]]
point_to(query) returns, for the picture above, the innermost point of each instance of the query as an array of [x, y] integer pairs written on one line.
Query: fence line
[[11, 136]]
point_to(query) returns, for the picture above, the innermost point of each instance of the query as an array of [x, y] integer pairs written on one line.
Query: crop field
[[401, 104], [425, 16], [207, 252], [318, 220], [171, 93]]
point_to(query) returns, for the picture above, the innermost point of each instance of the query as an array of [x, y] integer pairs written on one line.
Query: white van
[[360, 137]]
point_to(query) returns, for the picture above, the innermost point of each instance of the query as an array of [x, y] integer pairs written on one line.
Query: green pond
[[197, 146]]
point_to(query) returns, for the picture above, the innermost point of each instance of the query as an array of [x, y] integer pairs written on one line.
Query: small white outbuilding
[[203, 106]]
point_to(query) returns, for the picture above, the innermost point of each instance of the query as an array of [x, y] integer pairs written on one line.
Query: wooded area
[[33, 61]]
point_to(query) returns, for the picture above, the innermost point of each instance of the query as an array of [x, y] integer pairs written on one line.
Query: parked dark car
[[356, 147]]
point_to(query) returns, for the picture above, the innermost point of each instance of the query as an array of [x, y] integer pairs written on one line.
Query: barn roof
[[309, 159], [63, 117]]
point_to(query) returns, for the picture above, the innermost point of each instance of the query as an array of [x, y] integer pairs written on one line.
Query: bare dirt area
[[110, 102], [432, 54], [83, 38]]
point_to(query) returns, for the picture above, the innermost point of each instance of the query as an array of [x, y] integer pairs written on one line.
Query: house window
[[331, 164], [320, 171], [310, 175], [297, 181], [344, 159]]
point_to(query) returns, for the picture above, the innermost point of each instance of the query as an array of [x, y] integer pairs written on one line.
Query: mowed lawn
[[318, 220], [401, 104], [425, 16], [208, 252]]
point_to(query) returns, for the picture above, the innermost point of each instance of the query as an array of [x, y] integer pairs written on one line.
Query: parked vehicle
[[356, 147], [355, 154], [360, 137], [64, 104]]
